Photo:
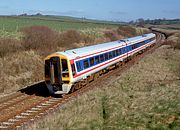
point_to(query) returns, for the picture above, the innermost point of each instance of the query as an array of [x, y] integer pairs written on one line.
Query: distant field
[[170, 27], [11, 24]]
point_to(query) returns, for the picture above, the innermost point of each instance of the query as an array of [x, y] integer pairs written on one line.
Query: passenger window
[[114, 53], [78, 65], [97, 59], [65, 72], [139, 44], [91, 61], [106, 56], [86, 64], [117, 53], [143, 43], [102, 58], [120, 52], [133, 47], [110, 55], [124, 51]]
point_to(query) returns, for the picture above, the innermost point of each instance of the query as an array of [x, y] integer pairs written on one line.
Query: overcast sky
[[121, 10]]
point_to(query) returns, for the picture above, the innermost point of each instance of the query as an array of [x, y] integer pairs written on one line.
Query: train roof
[[79, 52]]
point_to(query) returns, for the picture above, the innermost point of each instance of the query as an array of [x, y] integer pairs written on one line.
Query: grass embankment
[[144, 97]]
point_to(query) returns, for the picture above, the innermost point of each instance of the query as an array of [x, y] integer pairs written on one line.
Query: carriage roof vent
[[74, 52], [144, 35], [121, 41]]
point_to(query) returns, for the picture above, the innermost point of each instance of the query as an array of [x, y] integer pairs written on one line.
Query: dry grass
[[45, 41], [9, 46], [20, 69], [127, 31], [173, 36], [144, 97], [71, 38], [141, 31], [175, 40], [124, 32]]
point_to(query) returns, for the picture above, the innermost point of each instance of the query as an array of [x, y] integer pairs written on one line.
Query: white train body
[[77, 64]]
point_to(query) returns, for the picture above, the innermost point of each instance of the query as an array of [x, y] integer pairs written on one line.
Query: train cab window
[[106, 56], [97, 59], [73, 69], [91, 61], [86, 64], [65, 72], [102, 58]]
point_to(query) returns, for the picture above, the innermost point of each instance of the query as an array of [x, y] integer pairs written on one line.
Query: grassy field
[[11, 24], [145, 97]]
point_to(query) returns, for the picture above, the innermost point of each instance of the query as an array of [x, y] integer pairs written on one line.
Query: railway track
[[20, 109]]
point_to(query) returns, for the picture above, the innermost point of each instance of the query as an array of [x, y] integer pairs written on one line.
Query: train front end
[[57, 74]]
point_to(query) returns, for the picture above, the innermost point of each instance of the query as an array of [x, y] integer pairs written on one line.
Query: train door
[[53, 71]]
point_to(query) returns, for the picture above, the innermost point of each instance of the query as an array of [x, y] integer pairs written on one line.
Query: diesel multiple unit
[[71, 69]]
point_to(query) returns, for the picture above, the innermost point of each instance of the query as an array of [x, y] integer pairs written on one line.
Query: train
[[69, 70]]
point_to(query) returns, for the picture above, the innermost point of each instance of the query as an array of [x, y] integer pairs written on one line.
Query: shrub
[[177, 45], [87, 38], [9, 46], [111, 35], [38, 37], [69, 38], [126, 31]]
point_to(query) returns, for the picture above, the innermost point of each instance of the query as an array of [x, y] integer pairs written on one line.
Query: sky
[[116, 10]]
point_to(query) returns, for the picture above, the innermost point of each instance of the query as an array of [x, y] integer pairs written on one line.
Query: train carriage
[[64, 70]]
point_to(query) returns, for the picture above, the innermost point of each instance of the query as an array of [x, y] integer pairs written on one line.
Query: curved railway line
[[22, 108]]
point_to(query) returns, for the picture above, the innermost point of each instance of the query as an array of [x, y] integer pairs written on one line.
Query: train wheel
[[77, 86], [122, 63], [72, 89], [132, 57], [96, 76]]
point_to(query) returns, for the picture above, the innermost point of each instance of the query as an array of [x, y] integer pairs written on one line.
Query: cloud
[[69, 12], [171, 12], [118, 12], [73, 12]]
